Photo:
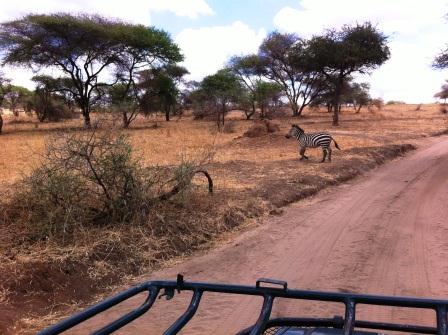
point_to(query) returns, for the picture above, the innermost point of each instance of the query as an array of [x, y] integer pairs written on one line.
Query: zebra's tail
[[336, 144]]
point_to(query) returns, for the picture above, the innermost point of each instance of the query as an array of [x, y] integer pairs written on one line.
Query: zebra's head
[[294, 132]]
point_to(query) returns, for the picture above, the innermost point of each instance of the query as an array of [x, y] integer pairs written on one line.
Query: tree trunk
[[218, 117], [87, 123], [223, 115], [336, 115], [295, 110], [126, 120], [167, 113], [251, 112], [42, 116], [85, 108], [336, 102]]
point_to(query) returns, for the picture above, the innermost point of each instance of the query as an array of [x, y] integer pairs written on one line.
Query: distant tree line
[[129, 69], [307, 72]]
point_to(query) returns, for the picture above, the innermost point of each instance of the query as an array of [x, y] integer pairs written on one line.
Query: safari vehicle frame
[[269, 289]]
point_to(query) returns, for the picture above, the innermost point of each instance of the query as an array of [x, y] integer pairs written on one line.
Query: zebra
[[313, 140]]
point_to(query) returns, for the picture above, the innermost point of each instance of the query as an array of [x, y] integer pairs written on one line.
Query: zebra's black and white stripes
[[312, 140]]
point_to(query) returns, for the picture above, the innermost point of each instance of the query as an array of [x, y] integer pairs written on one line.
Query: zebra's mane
[[298, 128]]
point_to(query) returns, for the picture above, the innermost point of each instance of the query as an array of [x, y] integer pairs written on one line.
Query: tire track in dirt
[[384, 233]]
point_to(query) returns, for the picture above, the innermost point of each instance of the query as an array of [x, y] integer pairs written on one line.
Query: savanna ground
[[253, 177]]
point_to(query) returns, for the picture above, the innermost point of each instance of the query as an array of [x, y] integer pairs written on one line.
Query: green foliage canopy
[[82, 47], [353, 49]]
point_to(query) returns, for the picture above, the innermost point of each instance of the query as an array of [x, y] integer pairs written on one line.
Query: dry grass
[[252, 176], [167, 142]]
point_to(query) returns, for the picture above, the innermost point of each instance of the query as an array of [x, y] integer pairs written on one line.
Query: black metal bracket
[[180, 282], [168, 293], [272, 282]]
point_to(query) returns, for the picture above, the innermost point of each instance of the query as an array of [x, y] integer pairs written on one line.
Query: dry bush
[[272, 126], [229, 127], [93, 178], [20, 121], [48, 108], [262, 128], [443, 109], [378, 103], [256, 130]]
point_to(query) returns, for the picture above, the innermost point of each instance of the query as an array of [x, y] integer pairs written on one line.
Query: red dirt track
[[384, 233]]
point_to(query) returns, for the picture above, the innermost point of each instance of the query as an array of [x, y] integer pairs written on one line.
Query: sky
[[209, 32]]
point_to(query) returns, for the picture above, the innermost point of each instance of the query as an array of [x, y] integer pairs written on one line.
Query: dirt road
[[384, 233]]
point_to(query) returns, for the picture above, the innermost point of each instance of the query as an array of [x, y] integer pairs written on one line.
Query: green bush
[[48, 107]]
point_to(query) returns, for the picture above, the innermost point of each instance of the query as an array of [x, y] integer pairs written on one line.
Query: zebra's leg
[[302, 153], [324, 152], [329, 154]]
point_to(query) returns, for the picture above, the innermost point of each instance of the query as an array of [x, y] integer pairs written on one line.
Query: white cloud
[[207, 49], [417, 31], [137, 11], [398, 16], [407, 75]]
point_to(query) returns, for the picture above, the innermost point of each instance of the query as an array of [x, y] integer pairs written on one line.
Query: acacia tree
[[4, 90], [285, 59], [248, 69], [352, 93], [16, 98], [268, 95], [221, 90], [119, 98], [82, 47], [160, 88], [441, 63], [353, 49], [443, 93], [51, 99], [197, 100], [357, 95], [149, 53], [441, 60]]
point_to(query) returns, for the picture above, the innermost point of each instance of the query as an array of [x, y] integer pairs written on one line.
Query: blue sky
[[258, 14], [209, 32]]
